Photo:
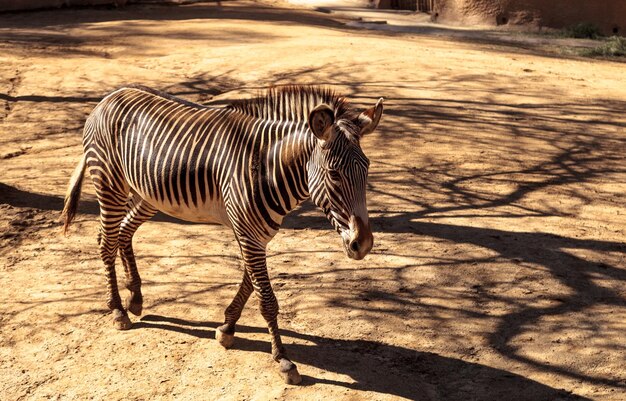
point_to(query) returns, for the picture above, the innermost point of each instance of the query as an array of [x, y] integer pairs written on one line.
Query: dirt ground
[[496, 197]]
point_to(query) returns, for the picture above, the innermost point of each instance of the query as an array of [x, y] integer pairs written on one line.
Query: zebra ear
[[321, 119], [369, 119]]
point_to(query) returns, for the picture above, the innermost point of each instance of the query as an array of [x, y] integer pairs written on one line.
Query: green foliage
[[584, 30], [615, 46]]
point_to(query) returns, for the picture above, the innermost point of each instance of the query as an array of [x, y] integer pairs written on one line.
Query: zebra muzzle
[[360, 239]]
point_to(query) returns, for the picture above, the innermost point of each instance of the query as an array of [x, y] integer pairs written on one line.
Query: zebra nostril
[[354, 245]]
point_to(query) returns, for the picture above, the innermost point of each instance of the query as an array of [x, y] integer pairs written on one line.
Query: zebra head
[[337, 173]]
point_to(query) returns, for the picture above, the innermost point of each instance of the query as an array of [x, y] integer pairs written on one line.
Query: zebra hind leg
[[137, 212], [112, 212], [225, 334]]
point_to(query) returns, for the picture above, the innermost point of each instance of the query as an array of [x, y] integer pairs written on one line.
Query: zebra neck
[[288, 160]]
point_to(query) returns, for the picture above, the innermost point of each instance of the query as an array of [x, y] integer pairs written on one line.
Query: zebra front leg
[[254, 258], [225, 334], [138, 212]]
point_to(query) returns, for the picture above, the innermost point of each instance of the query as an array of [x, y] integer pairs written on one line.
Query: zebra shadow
[[379, 367]]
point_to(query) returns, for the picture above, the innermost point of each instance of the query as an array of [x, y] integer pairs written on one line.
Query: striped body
[[245, 165], [199, 163]]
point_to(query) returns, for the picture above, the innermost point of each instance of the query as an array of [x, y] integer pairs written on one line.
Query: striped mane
[[290, 103]]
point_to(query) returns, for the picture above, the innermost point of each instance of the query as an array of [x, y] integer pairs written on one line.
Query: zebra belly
[[211, 211]]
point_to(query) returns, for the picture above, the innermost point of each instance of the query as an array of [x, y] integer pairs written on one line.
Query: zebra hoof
[[134, 308], [226, 340], [121, 321], [289, 372]]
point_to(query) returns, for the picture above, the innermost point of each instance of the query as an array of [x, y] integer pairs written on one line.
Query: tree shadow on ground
[[522, 250], [381, 368], [582, 145]]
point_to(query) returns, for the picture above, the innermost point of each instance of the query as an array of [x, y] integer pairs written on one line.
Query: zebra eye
[[334, 175]]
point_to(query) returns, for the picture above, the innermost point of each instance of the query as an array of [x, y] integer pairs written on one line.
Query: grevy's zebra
[[245, 165]]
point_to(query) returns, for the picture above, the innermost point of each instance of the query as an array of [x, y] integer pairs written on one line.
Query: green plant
[[615, 46], [584, 30]]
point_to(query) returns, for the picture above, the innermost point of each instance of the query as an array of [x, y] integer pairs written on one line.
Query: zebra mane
[[291, 103]]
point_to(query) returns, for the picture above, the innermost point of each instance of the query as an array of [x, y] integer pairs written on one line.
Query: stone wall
[[608, 15], [15, 5]]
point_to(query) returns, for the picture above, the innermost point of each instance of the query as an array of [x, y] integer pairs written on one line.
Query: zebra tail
[[72, 196]]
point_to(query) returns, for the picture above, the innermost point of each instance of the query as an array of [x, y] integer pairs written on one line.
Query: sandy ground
[[496, 195]]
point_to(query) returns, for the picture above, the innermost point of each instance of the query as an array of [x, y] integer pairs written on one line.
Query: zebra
[[244, 165]]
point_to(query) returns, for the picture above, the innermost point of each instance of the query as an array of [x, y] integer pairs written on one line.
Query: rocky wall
[[608, 15], [17, 5]]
